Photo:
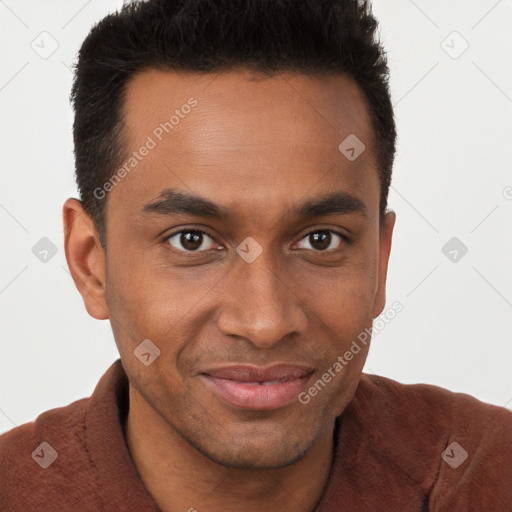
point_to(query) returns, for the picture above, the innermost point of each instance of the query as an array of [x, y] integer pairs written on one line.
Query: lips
[[256, 388]]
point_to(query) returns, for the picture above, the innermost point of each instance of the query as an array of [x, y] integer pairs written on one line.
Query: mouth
[[254, 388]]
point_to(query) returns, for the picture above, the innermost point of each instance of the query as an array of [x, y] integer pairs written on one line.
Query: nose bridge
[[259, 304]]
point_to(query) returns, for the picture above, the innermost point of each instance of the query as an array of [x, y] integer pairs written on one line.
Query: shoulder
[[39, 459], [458, 446], [421, 403]]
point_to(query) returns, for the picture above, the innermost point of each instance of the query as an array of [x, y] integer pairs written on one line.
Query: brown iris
[[320, 240], [191, 240]]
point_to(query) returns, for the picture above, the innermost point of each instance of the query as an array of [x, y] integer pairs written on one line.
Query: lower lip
[[258, 396]]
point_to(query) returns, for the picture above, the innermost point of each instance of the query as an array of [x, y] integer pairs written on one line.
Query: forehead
[[242, 136], [238, 104]]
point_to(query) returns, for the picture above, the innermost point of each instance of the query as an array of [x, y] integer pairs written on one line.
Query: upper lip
[[246, 373]]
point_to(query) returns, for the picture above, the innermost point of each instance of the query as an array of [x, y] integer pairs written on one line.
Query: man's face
[[261, 150]]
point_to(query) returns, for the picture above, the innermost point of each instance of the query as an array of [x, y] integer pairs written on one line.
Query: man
[[233, 161]]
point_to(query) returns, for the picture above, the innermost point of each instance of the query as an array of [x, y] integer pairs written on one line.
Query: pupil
[[320, 240], [191, 240]]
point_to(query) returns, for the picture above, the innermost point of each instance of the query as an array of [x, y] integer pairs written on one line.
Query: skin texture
[[257, 147]]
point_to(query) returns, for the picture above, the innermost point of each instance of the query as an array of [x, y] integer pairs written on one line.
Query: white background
[[452, 178]]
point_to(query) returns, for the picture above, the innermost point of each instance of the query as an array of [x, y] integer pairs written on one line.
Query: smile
[[257, 388]]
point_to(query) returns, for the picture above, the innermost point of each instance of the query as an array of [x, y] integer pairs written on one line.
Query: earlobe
[[85, 257], [385, 237]]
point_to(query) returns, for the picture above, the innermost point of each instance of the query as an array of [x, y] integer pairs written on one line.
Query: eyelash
[[344, 240]]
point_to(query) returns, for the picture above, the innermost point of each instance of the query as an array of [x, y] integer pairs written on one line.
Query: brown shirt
[[394, 451]]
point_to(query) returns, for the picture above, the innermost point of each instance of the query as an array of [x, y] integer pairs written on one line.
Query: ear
[[85, 257], [386, 234]]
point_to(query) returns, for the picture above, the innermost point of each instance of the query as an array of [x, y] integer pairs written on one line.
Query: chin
[[257, 450], [254, 459]]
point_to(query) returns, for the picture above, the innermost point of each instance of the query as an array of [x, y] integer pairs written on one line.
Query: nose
[[260, 303]]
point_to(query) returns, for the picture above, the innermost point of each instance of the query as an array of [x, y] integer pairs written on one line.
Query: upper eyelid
[[329, 230], [201, 230], [344, 238], [187, 230]]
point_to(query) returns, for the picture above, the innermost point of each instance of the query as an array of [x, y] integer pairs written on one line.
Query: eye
[[191, 241], [321, 240]]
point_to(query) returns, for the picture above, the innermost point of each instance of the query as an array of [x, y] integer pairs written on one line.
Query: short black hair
[[310, 37]]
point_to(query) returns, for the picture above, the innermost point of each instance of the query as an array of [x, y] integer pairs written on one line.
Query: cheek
[[345, 294], [150, 300], [138, 287], [343, 313]]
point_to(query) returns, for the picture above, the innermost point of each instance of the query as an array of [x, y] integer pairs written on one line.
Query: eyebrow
[[330, 204], [172, 201]]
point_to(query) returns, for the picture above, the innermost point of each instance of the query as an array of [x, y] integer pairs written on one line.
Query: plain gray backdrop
[[451, 84]]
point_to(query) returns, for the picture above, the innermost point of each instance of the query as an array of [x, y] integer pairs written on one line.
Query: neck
[[182, 479]]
